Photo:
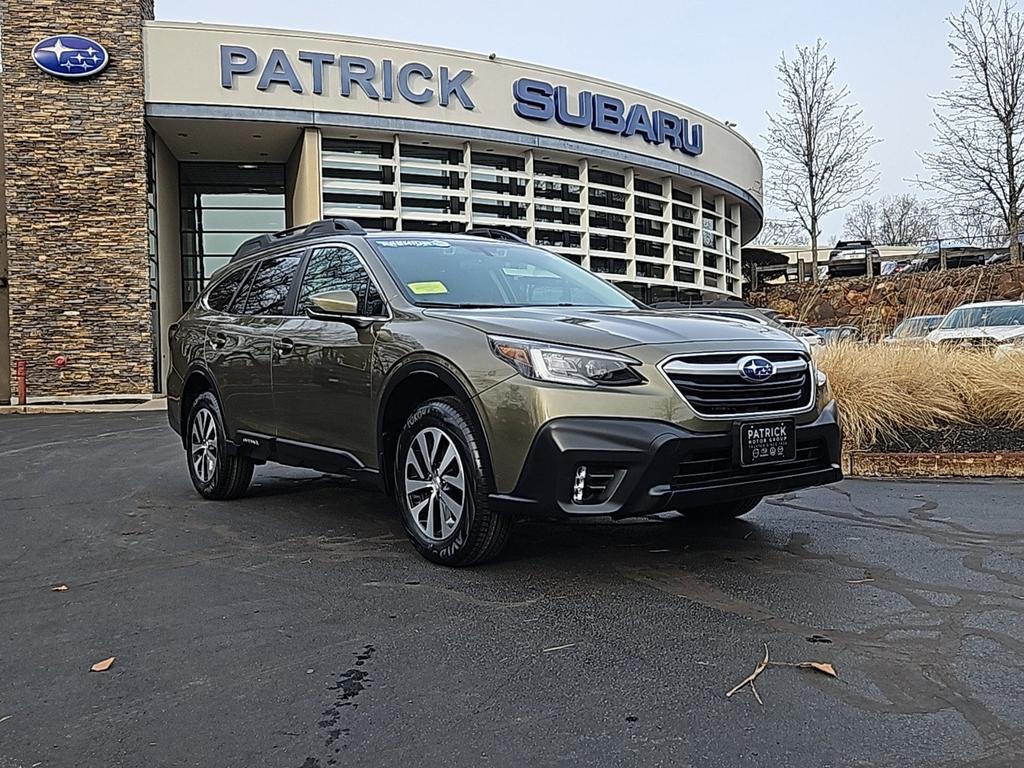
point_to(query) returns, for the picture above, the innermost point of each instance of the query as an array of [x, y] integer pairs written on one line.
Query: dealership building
[[138, 154]]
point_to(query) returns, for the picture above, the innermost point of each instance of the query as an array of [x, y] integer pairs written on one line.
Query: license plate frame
[[770, 441]]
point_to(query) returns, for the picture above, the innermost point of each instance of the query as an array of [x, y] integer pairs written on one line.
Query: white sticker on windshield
[[414, 243]]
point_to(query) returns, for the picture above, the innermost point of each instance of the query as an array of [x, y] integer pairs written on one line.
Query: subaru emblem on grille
[[756, 369]]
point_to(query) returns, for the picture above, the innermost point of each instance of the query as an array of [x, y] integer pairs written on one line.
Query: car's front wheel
[[214, 473], [442, 480]]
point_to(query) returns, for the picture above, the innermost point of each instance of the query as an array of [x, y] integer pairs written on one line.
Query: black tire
[[480, 533], [725, 511], [229, 476]]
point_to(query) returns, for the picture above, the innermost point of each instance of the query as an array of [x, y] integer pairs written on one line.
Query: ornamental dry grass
[[884, 391]]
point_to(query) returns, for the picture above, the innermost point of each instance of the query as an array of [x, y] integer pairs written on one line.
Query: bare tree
[[817, 143], [906, 220], [976, 226], [978, 162], [893, 220], [781, 232], [862, 222]]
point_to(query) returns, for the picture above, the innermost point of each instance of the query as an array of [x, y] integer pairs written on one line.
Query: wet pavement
[[298, 628]]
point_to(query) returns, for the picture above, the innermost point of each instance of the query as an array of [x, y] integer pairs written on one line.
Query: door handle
[[218, 340], [284, 346]]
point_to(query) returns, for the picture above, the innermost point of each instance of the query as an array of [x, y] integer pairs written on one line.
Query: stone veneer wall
[[76, 202], [876, 305]]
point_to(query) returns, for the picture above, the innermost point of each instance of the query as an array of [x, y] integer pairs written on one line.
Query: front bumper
[[659, 466]]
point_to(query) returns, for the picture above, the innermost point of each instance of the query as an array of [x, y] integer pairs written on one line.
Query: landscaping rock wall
[[877, 304]]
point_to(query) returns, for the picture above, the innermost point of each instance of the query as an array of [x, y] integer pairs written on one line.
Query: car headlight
[[820, 377], [567, 365]]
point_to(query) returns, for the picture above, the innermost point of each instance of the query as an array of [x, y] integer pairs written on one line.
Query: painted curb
[[868, 464]]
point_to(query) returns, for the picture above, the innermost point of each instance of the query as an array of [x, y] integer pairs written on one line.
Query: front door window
[[339, 269]]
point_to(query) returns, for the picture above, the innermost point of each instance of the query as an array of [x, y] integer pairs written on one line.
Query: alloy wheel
[[435, 483], [203, 445]]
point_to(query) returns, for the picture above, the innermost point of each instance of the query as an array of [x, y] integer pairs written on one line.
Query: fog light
[[579, 484]]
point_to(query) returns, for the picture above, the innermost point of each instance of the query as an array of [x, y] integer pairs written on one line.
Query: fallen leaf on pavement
[[59, 588], [821, 666], [102, 666]]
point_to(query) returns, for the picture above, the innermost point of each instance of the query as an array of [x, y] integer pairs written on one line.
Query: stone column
[[74, 167]]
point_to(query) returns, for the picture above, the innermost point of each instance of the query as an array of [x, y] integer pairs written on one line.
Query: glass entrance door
[[222, 206]]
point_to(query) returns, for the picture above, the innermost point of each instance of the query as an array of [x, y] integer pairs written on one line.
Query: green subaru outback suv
[[478, 380]]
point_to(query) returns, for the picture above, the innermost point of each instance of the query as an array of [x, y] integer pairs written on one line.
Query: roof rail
[[495, 234], [330, 226], [301, 232]]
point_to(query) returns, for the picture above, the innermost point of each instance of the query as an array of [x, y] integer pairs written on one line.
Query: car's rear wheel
[[214, 473], [724, 511], [442, 480]]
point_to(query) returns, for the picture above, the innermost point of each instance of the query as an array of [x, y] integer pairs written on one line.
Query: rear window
[[220, 296], [268, 288]]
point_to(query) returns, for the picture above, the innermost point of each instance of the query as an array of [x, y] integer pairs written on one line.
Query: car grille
[[705, 468], [713, 387]]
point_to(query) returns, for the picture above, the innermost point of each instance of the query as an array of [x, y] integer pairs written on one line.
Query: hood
[[995, 332], [608, 329], [1005, 332]]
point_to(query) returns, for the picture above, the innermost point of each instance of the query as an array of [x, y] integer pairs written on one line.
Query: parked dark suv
[[478, 379], [849, 257]]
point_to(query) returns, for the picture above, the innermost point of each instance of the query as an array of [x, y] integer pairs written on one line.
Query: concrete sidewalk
[[154, 404]]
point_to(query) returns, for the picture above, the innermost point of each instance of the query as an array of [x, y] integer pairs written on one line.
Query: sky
[[717, 56]]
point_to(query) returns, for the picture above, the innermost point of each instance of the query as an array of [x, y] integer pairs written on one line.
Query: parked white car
[[914, 330], [989, 323], [803, 332]]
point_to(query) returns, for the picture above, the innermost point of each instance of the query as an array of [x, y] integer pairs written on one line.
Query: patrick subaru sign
[[71, 56], [386, 80], [377, 80], [538, 100]]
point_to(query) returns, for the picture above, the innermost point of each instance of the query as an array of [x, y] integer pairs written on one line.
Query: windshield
[[917, 326], [985, 317], [833, 334], [470, 273]]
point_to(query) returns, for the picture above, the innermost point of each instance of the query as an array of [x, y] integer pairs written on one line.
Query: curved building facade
[[192, 138], [649, 193]]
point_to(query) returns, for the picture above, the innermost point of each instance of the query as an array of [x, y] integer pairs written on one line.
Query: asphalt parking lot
[[297, 628]]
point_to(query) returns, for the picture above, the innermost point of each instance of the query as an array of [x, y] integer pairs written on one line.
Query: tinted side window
[[221, 294], [338, 269], [268, 288]]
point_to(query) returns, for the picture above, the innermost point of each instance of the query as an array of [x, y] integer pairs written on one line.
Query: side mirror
[[336, 303]]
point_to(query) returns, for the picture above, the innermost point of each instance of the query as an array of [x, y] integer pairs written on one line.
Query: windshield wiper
[[465, 305]]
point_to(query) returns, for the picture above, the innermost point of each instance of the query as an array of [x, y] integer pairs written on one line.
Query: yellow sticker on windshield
[[435, 286]]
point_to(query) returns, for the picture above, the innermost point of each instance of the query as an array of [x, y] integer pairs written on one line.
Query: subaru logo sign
[[71, 56], [756, 369]]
